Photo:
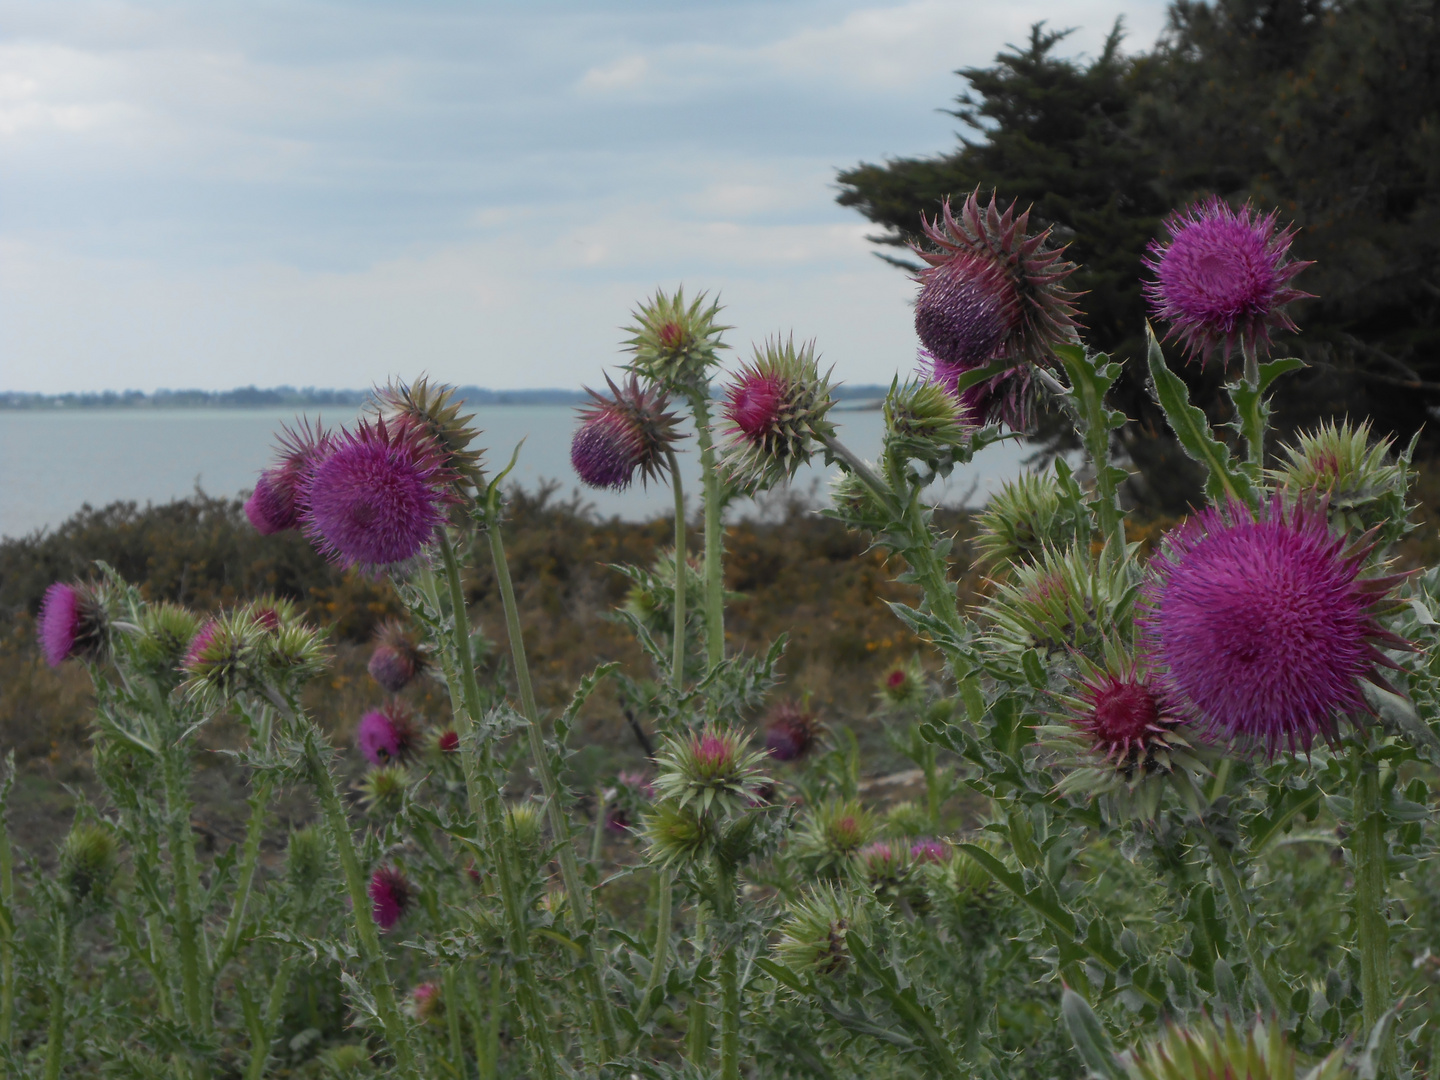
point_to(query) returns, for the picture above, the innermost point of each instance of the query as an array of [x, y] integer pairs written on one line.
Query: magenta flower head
[[397, 658], [379, 496], [1263, 624], [622, 433], [791, 731], [72, 622], [278, 498], [390, 896], [426, 1004], [992, 290], [776, 409], [386, 735], [1223, 278], [929, 850]]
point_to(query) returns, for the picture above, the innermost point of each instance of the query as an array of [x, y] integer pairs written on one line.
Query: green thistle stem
[[714, 554], [725, 885], [59, 988], [1252, 376], [372, 957], [260, 1048], [186, 876], [697, 1033], [559, 822], [483, 796], [1372, 928], [452, 1019], [7, 933], [249, 861], [677, 667]]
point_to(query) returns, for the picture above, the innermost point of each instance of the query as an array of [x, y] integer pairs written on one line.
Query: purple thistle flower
[[379, 496], [791, 732], [448, 742], [928, 850], [386, 735], [397, 658], [622, 433], [278, 499], [427, 1005], [1125, 719], [966, 307], [390, 895], [199, 644], [1008, 397], [1263, 624], [1223, 278], [71, 622]]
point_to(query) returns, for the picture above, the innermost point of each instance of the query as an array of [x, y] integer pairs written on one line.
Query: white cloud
[[626, 72]]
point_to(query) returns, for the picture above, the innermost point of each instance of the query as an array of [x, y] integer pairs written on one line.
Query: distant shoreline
[[250, 397]]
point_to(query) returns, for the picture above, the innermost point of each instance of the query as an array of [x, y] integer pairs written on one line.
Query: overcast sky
[[222, 193]]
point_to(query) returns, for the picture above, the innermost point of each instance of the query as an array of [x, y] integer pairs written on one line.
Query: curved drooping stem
[[579, 901]]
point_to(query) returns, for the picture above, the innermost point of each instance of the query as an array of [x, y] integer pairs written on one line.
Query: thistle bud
[[88, 862], [73, 622], [294, 651], [925, 421], [447, 742], [1203, 1050], [305, 860], [791, 731], [391, 895], [382, 791], [676, 835], [904, 684], [675, 344], [1064, 602], [813, 935], [1359, 484], [426, 1004], [929, 850], [883, 864], [776, 407], [1022, 519], [166, 631], [398, 656], [712, 768], [906, 819], [624, 433], [387, 735], [525, 824], [833, 832], [435, 410], [224, 655]]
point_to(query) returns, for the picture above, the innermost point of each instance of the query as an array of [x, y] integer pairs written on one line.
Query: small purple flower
[[448, 741], [1223, 278], [397, 658], [791, 732], [71, 623], [278, 499], [928, 850], [622, 433], [386, 735], [199, 645], [390, 896], [427, 1005], [379, 496], [1263, 624]]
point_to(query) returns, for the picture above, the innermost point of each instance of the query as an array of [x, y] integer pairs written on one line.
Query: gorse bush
[[1200, 780]]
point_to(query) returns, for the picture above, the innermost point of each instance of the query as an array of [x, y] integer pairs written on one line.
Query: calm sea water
[[56, 462]]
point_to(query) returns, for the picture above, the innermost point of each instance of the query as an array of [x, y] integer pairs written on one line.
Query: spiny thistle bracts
[[88, 861], [926, 421], [813, 936], [791, 731], [1118, 733], [1222, 279], [379, 496], [676, 835], [833, 832], [224, 657], [1362, 487], [426, 1004], [398, 656], [991, 290], [1066, 601], [1263, 624], [1021, 519], [525, 825], [776, 408], [391, 895], [435, 410], [279, 496], [1204, 1050], [929, 850], [386, 735], [674, 344], [624, 432], [713, 768], [382, 790], [883, 863], [72, 622], [166, 631]]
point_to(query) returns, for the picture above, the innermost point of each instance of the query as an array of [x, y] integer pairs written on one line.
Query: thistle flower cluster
[[1222, 279], [775, 407], [992, 290], [622, 433]]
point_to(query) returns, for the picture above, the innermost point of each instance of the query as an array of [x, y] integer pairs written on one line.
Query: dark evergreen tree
[[1323, 109]]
